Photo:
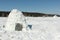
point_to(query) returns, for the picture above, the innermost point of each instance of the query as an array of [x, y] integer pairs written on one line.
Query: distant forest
[[28, 14]]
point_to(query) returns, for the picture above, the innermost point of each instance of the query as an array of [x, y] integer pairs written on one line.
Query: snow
[[43, 28]]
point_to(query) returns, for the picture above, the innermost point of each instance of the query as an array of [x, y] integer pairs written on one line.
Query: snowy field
[[43, 28]]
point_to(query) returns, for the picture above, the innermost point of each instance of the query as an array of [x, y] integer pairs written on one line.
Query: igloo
[[16, 21]]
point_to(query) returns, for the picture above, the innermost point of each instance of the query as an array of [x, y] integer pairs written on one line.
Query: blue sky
[[43, 6]]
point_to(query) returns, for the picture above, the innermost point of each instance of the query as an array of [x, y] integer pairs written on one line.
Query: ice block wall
[[15, 17]]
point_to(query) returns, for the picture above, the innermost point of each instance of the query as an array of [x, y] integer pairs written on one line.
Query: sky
[[41, 6]]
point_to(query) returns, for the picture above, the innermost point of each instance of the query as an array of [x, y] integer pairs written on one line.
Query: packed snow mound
[[15, 18], [55, 16]]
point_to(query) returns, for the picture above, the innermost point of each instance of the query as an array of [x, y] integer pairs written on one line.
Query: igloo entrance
[[18, 27]]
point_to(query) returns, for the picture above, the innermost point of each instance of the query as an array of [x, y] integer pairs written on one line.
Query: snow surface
[[43, 28]]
